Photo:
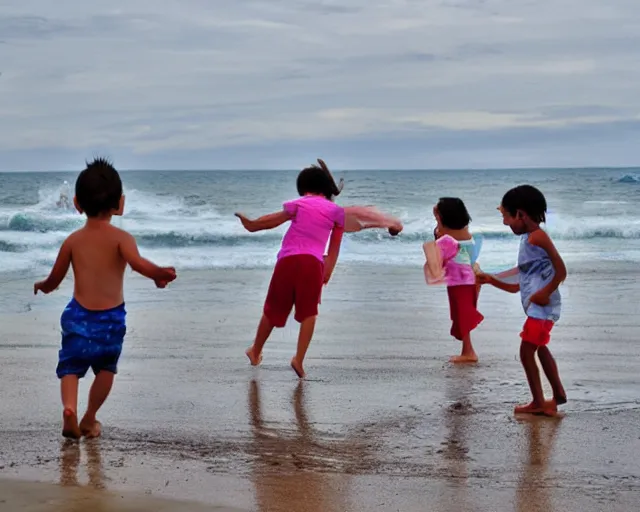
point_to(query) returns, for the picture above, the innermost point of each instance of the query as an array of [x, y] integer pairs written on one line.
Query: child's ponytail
[[335, 189]]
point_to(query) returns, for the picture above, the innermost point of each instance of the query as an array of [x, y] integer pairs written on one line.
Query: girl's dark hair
[[528, 199], [317, 179], [453, 213]]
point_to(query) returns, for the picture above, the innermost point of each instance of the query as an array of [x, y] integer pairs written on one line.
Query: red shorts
[[537, 331], [463, 300], [297, 280]]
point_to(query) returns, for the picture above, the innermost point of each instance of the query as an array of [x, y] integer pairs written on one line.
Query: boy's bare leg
[[468, 355], [254, 352], [550, 369], [528, 359], [99, 392], [69, 393], [304, 338]]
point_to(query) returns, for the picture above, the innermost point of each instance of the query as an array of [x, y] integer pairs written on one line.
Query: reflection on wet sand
[[291, 469], [455, 451], [70, 456], [532, 494]]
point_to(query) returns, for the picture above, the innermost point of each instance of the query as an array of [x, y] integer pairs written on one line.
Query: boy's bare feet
[[70, 428], [464, 358], [255, 361], [90, 428], [297, 367], [548, 409]]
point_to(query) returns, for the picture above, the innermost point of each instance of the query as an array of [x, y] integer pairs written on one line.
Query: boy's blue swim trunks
[[90, 339]]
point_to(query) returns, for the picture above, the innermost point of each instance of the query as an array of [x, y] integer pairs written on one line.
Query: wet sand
[[383, 421]]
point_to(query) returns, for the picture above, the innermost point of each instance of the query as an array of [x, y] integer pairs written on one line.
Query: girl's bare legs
[[304, 338], [254, 352], [69, 393], [100, 389], [550, 369], [468, 354]]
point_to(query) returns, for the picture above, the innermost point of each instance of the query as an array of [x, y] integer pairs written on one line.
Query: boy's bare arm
[[334, 251], [58, 272], [541, 239], [270, 221], [130, 253]]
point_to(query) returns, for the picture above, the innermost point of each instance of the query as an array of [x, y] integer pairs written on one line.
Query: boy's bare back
[[96, 253], [100, 252]]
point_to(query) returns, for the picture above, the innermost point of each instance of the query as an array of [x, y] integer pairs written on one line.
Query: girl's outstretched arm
[[331, 258], [270, 221]]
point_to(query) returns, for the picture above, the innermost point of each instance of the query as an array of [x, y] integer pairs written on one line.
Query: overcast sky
[[220, 84]]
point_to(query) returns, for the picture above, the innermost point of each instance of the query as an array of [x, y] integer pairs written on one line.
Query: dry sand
[[383, 422]]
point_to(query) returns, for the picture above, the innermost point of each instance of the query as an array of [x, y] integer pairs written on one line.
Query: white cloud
[[147, 78]]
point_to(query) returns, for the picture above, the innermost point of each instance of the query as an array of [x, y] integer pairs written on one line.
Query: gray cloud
[[212, 84]]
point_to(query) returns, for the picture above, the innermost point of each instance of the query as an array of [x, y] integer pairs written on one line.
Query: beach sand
[[383, 421]]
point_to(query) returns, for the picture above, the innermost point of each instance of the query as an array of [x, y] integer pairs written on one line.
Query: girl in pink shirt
[[302, 268], [452, 262]]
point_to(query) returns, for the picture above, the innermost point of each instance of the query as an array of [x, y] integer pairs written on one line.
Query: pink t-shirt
[[312, 220], [456, 260]]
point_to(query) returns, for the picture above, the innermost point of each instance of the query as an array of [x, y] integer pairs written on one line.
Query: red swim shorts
[[297, 280], [537, 331], [465, 317]]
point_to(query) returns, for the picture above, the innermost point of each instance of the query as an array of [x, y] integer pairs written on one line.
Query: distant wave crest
[[629, 178]]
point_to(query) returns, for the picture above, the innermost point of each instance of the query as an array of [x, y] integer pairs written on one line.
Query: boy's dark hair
[[317, 180], [98, 188], [453, 213], [528, 199]]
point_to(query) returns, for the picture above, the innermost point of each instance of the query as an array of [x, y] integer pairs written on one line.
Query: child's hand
[[540, 298], [39, 287], [169, 275], [482, 278], [246, 222], [328, 270]]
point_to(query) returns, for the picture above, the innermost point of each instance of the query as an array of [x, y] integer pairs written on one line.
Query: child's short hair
[[316, 180], [453, 213], [528, 199], [98, 188]]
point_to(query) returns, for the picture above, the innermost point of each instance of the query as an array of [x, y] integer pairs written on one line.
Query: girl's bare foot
[[297, 367], [464, 358], [255, 361], [90, 428], [70, 428]]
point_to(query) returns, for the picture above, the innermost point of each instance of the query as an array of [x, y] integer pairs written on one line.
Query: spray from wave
[[193, 233]]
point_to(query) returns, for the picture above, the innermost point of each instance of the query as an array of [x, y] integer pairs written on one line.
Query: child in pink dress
[[450, 260]]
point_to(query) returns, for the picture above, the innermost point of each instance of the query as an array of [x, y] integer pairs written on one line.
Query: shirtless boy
[[93, 323]]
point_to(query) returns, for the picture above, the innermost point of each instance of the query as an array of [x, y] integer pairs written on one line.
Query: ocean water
[[186, 218]]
